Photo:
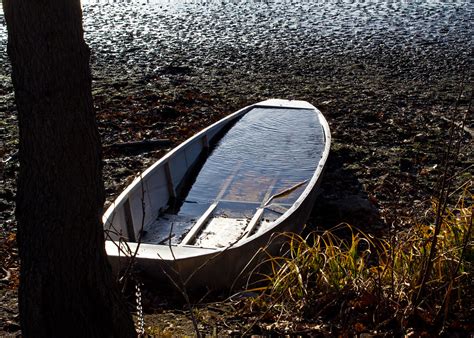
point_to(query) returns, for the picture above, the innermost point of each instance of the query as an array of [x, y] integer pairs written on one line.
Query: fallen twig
[[139, 145], [284, 192]]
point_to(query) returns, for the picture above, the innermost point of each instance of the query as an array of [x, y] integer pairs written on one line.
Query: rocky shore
[[390, 80]]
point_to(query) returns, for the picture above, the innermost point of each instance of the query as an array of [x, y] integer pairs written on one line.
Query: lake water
[[145, 35]]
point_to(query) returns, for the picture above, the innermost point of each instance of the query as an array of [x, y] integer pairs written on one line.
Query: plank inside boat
[[267, 151]]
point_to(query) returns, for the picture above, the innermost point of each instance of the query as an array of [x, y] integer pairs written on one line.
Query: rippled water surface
[[146, 35], [266, 152]]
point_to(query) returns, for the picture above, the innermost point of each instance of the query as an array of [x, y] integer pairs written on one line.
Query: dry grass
[[360, 283]]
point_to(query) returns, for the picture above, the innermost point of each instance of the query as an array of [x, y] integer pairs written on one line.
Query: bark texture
[[66, 285]]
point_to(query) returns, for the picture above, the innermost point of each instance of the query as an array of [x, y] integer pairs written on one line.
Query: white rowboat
[[206, 208]]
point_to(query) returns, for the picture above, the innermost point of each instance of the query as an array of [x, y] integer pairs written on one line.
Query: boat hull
[[216, 269], [191, 265]]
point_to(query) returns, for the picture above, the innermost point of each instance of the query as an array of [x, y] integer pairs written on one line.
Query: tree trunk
[[66, 284]]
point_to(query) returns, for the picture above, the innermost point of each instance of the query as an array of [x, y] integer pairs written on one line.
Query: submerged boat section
[[267, 151], [223, 193]]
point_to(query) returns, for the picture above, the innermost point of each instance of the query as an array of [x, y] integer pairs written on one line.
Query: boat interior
[[228, 184], [240, 187]]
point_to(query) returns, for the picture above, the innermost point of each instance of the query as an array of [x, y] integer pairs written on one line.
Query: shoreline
[[382, 168], [386, 105]]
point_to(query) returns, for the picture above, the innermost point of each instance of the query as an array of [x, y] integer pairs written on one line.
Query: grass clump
[[356, 283]]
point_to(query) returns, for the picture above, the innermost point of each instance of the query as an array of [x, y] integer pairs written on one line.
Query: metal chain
[[140, 324]]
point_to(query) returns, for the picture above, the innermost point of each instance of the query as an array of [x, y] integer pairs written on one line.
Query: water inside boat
[[269, 152]]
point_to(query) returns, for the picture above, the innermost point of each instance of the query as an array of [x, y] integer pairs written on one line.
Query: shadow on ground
[[342, 197]]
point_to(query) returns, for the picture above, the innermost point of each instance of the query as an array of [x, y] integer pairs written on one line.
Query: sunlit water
[[273, 149], [140, 36], [267, 152]]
